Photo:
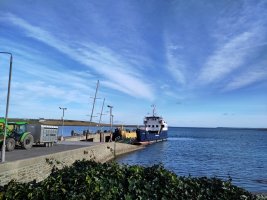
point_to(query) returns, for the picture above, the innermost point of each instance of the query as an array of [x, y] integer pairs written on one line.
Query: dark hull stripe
[[145, 136]]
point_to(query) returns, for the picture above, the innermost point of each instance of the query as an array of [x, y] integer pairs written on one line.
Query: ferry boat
[[155, 129]]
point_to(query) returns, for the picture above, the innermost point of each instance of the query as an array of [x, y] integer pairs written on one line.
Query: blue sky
[[203, 63]]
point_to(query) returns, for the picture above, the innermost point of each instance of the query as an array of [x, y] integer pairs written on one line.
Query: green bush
[[92, 180]]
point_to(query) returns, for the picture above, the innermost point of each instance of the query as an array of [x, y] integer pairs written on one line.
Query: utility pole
[[111, 121], [62, 131], [3, 156]]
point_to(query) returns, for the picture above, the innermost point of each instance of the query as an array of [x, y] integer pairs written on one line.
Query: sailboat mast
[[94, 102], [101, 112]]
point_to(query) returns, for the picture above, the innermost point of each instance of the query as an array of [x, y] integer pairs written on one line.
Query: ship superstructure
[[155, 129]]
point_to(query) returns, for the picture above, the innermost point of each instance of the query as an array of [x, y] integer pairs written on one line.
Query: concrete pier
[[36, 163], [90, 137]]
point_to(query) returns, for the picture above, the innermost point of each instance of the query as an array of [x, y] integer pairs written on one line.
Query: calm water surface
[[220, 152]]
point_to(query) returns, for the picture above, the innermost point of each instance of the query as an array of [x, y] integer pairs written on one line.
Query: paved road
[[35, 151]]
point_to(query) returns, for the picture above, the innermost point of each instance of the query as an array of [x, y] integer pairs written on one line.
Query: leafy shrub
[[92, 180]]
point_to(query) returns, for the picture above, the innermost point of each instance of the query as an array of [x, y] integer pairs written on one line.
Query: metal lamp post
[[63, 109], [3, 158], [111, 120]]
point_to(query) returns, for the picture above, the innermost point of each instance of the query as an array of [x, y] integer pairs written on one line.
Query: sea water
[[221, 152]]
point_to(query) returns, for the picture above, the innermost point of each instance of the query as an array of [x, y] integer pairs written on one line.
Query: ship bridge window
[[157, 125], [153, 126], [148, 125]]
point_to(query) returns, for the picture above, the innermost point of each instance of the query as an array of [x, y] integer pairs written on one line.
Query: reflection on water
[[239, 153]]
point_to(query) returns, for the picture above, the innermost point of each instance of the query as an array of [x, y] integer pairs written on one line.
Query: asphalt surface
[[35, 151]]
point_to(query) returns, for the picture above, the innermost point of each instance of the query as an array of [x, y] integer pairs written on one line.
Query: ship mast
[[100, 117], [94, 103], [154, 108]]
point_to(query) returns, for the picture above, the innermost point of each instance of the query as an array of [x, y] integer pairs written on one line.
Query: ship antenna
[[154, 108]]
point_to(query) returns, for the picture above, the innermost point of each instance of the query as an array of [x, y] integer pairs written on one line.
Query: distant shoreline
[[245, 128], [239, 128], [58, 122]]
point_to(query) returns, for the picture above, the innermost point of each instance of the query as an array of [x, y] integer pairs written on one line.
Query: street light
[[3, 156], [63, 109], [111, 121]]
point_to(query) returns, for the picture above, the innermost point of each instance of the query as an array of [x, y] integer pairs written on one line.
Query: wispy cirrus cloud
[[175, 63], [40, 84], [229, 57], [29, 65], [104, 61], [168, 52], [238, 38], [247, 78]]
